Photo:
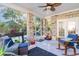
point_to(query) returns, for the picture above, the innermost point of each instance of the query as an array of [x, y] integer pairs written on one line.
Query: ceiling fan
[[50, 6]]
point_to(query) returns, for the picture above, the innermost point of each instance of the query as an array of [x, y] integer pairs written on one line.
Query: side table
[[23, 49]]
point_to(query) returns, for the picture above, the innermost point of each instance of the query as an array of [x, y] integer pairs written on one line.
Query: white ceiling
[[34, 7]]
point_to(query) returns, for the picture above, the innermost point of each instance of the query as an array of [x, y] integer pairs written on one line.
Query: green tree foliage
[[3, 27], [15, 17], [11, 14]]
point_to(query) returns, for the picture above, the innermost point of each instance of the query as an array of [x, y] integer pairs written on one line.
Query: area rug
[[52, 45], [39, 52]]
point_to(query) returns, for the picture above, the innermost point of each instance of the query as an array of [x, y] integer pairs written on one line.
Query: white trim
[[63, 12]]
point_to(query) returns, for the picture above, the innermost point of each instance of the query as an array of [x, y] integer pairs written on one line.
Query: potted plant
[[1, 52]]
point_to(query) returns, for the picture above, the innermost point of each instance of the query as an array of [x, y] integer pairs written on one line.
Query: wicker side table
[[23, 49]]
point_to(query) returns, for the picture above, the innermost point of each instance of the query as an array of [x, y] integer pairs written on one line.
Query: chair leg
[[74, 50], [65, 50], [58, 46]]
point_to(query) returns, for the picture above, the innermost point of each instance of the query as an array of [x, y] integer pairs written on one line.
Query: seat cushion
[[22, 45], [71, 44], [6, 41], [10, 43], [73, 36], [62, 41], [12, 48]]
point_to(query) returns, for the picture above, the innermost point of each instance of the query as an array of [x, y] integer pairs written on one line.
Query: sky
[[2, 19]]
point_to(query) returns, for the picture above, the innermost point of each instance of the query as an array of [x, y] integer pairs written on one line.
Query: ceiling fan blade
[[56, 4], [52, 9], [49, 4]]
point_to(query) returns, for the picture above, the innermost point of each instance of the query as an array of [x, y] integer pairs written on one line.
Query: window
[[71, 26], [61, 29], [37, 24]]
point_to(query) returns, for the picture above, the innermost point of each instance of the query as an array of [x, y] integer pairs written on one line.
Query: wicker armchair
[[68, 44]]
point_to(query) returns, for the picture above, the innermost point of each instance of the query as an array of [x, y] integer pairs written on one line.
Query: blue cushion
[[23, 45], [73, 36], [6, 41], [10, 43], [71, 44], [62, 41]]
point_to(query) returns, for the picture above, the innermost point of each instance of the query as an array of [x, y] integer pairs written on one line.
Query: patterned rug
[[39, 52]]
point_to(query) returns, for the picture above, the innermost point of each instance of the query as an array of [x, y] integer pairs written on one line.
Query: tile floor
[[51, 46]]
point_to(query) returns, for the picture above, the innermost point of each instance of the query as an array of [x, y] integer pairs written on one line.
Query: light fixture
[[48, 7]]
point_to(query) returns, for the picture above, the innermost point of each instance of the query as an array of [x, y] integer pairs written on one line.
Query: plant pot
[[33, 42]]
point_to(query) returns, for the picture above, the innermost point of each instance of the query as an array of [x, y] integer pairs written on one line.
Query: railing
[[16, 34]]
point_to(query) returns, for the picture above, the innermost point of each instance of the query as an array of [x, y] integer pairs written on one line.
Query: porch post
[[30, 25]]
